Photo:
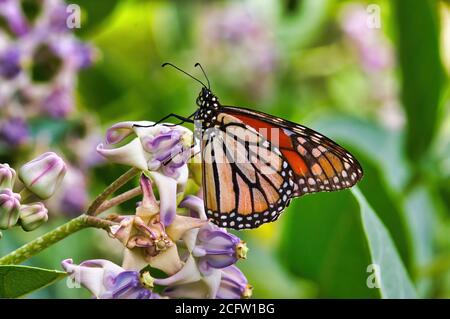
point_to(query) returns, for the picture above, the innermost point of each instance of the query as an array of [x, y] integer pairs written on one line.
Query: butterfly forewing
[[319, 163]]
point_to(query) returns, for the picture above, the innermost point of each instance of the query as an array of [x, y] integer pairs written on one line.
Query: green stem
[[39, 244], [122, 180], [107, 204]]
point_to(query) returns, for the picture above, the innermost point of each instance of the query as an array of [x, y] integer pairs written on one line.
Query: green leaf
[[421, 69], [393, 279], [17, 281], [423, 209], [333, 239], [386, 172], [388, 206]]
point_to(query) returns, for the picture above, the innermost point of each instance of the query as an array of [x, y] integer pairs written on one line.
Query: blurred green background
[[371, 75]]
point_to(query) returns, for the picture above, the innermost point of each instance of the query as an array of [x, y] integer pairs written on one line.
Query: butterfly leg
[[181, 118]]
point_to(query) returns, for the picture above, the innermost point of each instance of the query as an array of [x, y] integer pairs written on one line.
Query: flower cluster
[[197, 256], [376, 57], [373, 50], [39, 61], [236, 35], [38, 180]]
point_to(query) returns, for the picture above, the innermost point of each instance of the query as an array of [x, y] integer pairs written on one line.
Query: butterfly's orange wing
[[253, 164], [319, 163]]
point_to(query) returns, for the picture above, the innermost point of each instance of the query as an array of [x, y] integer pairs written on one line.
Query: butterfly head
[[207, 100]]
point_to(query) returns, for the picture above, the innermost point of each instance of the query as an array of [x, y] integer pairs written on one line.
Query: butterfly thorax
[[208, 105]]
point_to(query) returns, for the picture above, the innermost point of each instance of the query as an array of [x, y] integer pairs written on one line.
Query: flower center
[[162, 243], [241, 250], [248, 291], [147, 280]]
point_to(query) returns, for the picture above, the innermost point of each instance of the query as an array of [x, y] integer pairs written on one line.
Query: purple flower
[[53, 57], [127, 285], [155, 148], [189, 282], [14, 131], [195, 205], [10, 63], [206, 271], [73, 202], [233, 284], [214, 247], [85, 149], [77, 54], [59, 102], [9, 208], [373, 50], [84, 55], [231, 28], [147, 239], [11, 11], [106, 280], [57, 16]]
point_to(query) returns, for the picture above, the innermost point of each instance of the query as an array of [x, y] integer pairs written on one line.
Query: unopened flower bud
[[9, 208], [43, 174], [32, 216], [7, 176]]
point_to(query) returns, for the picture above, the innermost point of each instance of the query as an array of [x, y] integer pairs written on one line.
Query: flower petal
[[131, 154], [190, 239], [167, 188], [234, 285], [133, 259], [121, 130], [196, 205], [127, 286], [213, 283], [167, 261], [195, 290], [216, 240], [94, 275], [181, 225], [219, 261], [148, 198], [188, 274]]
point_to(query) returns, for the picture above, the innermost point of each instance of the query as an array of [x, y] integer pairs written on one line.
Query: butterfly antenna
[[204, 73], [174, 66]]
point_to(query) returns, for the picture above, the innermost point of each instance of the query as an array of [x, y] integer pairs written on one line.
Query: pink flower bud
[[7, 176], [43, 175], [32, 216], [9, 208]]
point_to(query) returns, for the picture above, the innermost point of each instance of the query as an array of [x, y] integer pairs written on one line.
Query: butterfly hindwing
[[247, 181]]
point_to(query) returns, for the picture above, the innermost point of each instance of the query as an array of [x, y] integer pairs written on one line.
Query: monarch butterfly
[[253, 163]]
